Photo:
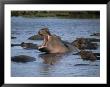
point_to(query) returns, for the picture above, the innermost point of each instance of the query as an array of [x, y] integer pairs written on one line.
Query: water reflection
[[51, 58], [45, 70]]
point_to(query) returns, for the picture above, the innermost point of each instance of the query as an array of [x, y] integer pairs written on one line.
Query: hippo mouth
[[45, 40], [45, 34], [43, 47]]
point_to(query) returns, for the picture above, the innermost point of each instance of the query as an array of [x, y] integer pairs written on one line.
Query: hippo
[[53, 43], [86, 43], [23, 58], [29, 45], [26, 45], [88, 55]]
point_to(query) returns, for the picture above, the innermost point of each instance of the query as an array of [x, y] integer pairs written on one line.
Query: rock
[[22, 58], [85, 43], [15, 45], [29, 45], [35, 37], [87, 55], [13, 37]]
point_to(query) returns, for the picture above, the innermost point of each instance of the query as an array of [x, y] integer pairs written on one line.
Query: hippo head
[[51, 43], [45, 33]]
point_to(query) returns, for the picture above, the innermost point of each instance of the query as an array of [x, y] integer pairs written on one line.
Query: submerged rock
[[35, 37], [22, 58], [85, 43]]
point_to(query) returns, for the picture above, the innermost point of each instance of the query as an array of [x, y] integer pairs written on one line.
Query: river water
[[62, 65]]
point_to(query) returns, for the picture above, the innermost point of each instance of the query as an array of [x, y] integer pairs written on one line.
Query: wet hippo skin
[[29, 45]]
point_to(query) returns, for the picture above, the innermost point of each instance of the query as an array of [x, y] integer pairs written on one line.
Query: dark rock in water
[[22, 58], [84, 65], [29, 45], [85, 43], [13, 37], [35, 37], [95, 34], [15, 45], [81, 64], [87, 55]]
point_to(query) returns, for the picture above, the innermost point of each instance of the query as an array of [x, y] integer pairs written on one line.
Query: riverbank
[[59, 14]]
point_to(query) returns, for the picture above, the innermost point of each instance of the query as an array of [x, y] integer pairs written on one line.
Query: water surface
[[53, 65]]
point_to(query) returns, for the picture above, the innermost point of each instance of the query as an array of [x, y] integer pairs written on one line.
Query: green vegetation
[[61, 14]]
